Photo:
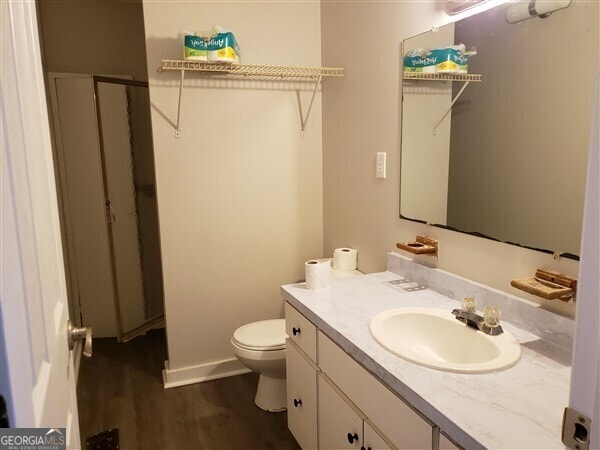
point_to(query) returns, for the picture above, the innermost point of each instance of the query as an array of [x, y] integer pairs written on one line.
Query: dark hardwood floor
[[121, 387]]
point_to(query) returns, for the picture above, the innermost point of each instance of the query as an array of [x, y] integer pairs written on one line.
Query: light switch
[[380, 165]]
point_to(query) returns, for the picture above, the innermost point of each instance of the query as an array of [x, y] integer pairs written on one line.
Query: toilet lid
[[263, 335]]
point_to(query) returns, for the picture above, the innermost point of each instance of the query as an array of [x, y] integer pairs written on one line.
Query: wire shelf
[[261, 71], [441, 76], [252, 70]]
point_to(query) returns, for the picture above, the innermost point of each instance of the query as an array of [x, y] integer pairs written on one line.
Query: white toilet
[[260, 346]]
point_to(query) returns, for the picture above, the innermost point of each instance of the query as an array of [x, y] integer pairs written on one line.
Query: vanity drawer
[[402, 426], [301, 331]]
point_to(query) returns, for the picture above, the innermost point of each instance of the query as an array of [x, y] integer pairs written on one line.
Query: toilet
[[260, 346]]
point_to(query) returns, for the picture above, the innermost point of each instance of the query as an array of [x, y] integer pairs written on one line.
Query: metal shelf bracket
[[177, 130], [304, 120], [425, 76], [435, 127]]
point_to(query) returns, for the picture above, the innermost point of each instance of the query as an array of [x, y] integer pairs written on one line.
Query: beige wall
[[90, 36], [240, 192], [361, 115]]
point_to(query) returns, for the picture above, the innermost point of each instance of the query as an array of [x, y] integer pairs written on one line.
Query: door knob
[[77, 334]]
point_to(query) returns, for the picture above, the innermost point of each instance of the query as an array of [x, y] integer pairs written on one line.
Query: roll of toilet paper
[[344, 259], [316, 272]]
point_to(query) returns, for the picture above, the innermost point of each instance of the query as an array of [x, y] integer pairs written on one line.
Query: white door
[[41, 384], [340, 426], [120, 191], [585, 375]]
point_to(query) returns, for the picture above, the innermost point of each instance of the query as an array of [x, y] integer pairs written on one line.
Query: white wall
[[240, 192], [361, 115]]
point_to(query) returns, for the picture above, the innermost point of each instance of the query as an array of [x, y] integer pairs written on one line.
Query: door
[[340, 426], [301, 386], [585, 374], [117, 150], [372, 439], [38, 379]]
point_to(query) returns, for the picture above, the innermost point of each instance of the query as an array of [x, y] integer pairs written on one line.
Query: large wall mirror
[[509, 161]]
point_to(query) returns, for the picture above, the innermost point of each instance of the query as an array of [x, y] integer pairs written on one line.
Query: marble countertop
[[517, 408]]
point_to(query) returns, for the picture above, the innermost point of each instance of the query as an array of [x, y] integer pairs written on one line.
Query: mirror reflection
[[509, 160]]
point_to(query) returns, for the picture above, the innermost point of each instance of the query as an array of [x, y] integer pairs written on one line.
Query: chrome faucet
[[489, 323]]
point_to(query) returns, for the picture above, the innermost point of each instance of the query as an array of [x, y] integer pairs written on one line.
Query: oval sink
[[434, 338]]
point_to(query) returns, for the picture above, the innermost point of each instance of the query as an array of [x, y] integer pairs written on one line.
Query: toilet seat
[[261, 336]]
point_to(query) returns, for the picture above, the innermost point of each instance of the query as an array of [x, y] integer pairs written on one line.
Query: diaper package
[[216, 45], [452, 59], [419, 60], [195, 47], [222, 46]]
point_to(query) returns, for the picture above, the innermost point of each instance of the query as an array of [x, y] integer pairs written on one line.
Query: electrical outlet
[[380, 165]]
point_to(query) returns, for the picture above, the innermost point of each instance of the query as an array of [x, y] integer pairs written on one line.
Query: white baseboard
[[202, 372]]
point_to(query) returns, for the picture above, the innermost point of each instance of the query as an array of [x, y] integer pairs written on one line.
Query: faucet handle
[[491, 316], [469, 304]]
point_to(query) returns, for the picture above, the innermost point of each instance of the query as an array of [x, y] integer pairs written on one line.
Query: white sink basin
[[434, 338]]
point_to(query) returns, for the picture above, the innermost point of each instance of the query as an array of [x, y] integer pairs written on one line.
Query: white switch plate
[[380, 165]]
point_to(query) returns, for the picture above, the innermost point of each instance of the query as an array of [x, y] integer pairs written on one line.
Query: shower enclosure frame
[[155, 321], [65, 208]]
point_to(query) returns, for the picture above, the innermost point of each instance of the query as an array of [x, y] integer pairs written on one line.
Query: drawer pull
[[295, 331], [352, 437], [297, 402]]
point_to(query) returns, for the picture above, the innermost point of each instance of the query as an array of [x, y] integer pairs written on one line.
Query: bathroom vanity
[[347, 391]]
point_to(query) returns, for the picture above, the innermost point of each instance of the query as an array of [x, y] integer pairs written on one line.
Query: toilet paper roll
[[344, 259], [317, 273]]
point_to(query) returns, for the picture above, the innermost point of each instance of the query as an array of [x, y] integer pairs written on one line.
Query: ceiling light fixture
[[523, 10]]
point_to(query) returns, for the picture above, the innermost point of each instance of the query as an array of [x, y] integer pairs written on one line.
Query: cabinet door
[[372, 439], [301, 397], [404, 428], [340, 426]]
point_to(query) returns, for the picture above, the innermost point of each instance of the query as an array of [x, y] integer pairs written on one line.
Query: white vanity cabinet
[[372, 440], [341, 424], [400, 425], [301, 369], [334, 403], [301, 396]]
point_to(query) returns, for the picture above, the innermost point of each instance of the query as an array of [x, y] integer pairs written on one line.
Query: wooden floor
[[121, 387]]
